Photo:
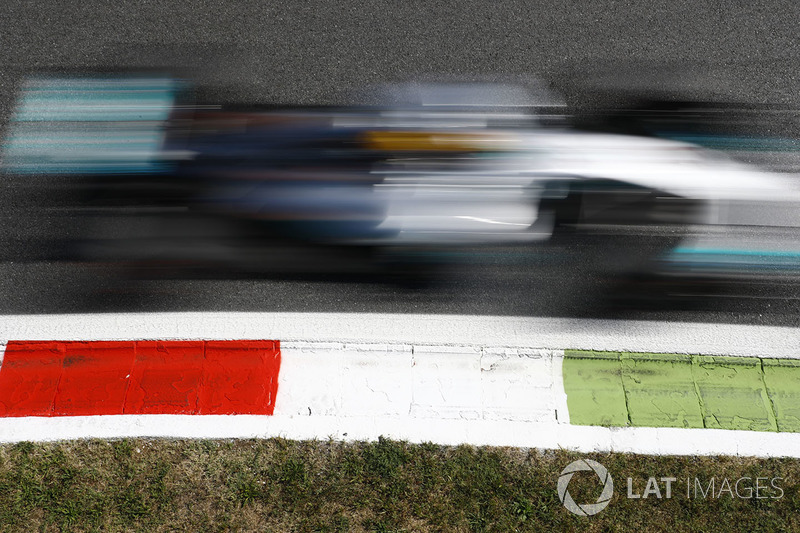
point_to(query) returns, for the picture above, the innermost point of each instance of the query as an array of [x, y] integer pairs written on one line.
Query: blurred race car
[[440, 165]]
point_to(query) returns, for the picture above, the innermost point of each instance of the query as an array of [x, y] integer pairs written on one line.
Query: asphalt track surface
[[318, 52]]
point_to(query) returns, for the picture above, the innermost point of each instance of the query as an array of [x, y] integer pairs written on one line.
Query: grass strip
[[280, 485]]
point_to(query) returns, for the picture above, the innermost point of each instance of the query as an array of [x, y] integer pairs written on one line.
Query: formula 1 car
[[444, 165]]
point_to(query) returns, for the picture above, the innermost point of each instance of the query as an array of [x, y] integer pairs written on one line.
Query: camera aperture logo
[[585, 509]]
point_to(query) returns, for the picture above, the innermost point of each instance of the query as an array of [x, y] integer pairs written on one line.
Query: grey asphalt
[[318, 52]]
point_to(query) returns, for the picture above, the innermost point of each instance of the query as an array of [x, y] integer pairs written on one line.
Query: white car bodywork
[[496, 196]]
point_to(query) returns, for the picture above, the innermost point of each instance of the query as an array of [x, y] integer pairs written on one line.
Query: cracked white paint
[[419, 382]]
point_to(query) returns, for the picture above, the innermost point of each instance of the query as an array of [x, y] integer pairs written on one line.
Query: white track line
[[663, 441], [524, 332]]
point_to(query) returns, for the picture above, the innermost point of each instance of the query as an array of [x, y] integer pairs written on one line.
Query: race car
[[441, 165]]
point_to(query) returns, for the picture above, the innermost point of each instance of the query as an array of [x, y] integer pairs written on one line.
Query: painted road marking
[[179, 364], [415, 329], [516, 433], [674, 390], [476, 393], [733, 393], [594, 389], [782, 385], [139, 377], [422, 382], [666, 396]]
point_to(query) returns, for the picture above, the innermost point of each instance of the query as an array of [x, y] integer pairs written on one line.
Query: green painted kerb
[[684, 391]]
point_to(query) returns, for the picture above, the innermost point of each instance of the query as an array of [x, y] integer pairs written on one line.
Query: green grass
[[280, 485]]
